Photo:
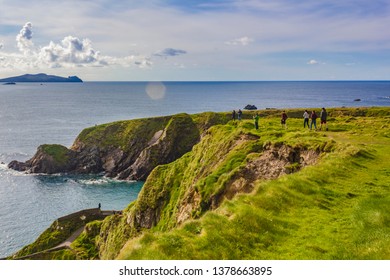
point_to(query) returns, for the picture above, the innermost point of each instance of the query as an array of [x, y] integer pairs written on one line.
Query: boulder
[[250, 107]]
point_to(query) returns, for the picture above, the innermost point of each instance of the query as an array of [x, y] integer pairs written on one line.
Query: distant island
[[41, 78]]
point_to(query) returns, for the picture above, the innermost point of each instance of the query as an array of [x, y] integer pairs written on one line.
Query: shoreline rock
[[150, 142], [250, 107]]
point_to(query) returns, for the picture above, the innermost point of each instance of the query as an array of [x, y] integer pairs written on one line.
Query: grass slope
[[336, 209]]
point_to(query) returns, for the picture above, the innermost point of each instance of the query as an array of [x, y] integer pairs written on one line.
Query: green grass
[[84, 247], [58, 152], [336, 209]]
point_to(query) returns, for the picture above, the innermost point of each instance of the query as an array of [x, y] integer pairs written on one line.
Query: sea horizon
[[32, 114]]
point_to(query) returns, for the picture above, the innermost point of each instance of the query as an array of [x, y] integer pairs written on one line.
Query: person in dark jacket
[[283, 120], [313, 117], [239, 114], [323, 117]]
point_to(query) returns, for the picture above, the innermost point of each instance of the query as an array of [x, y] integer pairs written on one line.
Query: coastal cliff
[[219, 189], [127, 150]]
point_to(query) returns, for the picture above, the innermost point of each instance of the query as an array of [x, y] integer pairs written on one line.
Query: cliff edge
[[127, 150], [220, 189]]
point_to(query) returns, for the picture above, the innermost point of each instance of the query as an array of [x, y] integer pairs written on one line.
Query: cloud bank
[[224, 39], [70, 52]]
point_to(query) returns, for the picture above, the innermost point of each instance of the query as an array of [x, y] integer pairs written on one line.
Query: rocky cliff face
[[127, 150], [227, 161]]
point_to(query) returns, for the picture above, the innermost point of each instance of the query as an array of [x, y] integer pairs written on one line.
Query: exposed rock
[[271, 164], [105, 148], [17, 165], [48, 159], [179, 137], [250, 107]]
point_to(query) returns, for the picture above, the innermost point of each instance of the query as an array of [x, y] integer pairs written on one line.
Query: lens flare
[[155, 90]]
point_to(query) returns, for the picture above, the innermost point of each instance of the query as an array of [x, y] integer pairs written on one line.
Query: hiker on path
[[313, 117], [323, 117], [256, 119], [239, 114], [283, 120], [306, 117]]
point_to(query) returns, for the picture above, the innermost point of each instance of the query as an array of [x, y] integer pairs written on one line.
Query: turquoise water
[[35, 114]]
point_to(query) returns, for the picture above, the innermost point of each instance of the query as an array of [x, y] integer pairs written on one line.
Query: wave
[[86, 180], [101, 181], [4, 169], [95, 181], [8, 157]]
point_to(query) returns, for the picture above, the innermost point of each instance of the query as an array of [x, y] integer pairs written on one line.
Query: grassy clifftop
[[236, 195], [271, 193]]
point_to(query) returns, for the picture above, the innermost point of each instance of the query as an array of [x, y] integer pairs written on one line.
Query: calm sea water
[[35, 114]]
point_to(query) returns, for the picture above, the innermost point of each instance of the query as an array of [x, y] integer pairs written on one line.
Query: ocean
[[32, 114]]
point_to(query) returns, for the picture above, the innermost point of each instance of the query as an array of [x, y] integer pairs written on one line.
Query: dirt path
[[67, 242]]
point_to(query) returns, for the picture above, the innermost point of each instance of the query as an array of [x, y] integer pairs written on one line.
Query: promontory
[[217, 188]]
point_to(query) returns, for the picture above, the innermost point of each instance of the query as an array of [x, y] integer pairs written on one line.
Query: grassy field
[[338, 208]]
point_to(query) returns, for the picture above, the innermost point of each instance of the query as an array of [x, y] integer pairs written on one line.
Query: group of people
[[313, 117], [306, 117], [309, 116], [238, 114]]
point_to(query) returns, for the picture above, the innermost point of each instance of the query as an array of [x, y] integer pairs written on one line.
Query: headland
[[40, 78], [217, 188]]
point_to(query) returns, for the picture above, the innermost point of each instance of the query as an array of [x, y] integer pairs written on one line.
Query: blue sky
[[130, 40]]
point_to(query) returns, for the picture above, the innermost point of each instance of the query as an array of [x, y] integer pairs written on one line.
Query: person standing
[[323, 117], [239, 114], [234, 115], [284, 119], [306, 117], [313, 117], [256, 118]]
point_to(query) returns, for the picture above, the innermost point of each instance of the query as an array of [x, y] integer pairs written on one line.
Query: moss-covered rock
[[48, 159], [123, 149]]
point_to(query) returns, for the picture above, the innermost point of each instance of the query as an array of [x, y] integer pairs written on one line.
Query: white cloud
[[243, 41], [313, 62], [24, 38], [71, 51]]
